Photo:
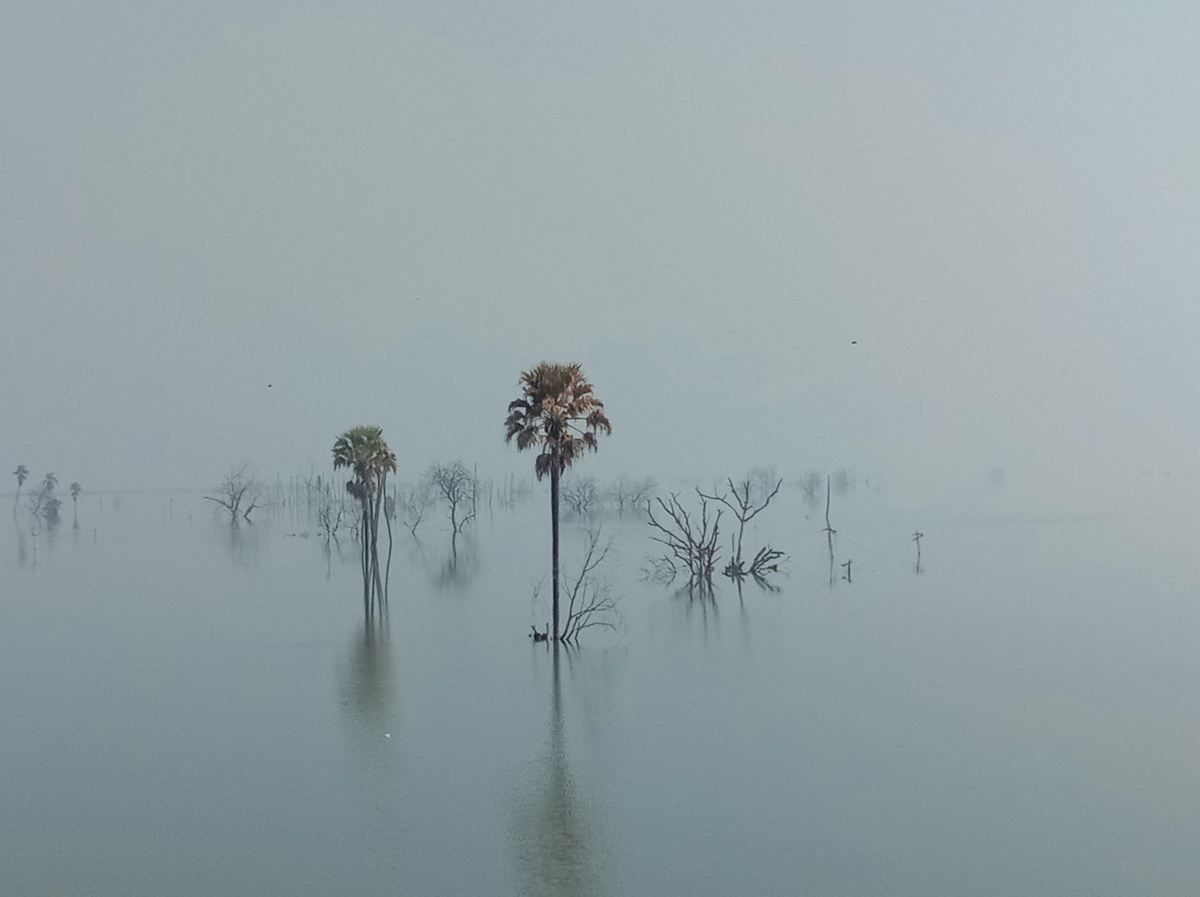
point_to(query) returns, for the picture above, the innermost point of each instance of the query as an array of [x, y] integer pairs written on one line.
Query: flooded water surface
[[192, 708]]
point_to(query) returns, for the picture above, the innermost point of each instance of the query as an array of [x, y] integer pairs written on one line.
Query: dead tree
[[415, 503], [329, 515], [917, 537], [457, 486], [580, 494], [809, 483], [745, 508], [590, 601], [239, 493], [627, 493], [691, 542], [829, 532]]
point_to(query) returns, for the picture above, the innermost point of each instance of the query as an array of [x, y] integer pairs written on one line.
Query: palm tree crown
[[557, 414], [363, 450], [20, 473]]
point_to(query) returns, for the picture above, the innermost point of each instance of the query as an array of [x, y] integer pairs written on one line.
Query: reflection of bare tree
[[241, 540], [553, 834], [459, 566], [701, 606]]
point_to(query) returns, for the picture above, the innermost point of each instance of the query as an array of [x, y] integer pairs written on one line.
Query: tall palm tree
[[364, 451], [21, 473], [75, 490], [557, 415]]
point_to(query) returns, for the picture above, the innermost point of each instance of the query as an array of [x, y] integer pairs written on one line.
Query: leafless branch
[[745, 509], [691, 543], [239, 493], [457, 486], [590, 601]]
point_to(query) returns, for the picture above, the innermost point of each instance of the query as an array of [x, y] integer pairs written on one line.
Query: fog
[[924, 243]]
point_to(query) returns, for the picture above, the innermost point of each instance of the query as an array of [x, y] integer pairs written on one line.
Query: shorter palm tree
[[21, 473], [364, 451]]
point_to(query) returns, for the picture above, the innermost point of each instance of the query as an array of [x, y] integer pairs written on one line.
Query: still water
[[189, 708]]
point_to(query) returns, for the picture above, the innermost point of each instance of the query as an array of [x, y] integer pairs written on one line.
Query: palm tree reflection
[[368, 685], [554, 834]]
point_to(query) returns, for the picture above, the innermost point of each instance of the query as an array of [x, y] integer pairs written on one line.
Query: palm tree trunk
[[387, 576], [554, 538], [365, 535]]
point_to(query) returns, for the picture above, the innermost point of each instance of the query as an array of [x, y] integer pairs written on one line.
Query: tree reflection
[[242, 543], [368, 685], [458, 567], [699, 607], [22, 547], [554, 834]]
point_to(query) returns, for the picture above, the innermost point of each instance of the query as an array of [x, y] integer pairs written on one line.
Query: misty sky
[[386, 211]]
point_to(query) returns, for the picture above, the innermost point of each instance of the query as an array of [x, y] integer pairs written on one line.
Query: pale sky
[[386, 211]]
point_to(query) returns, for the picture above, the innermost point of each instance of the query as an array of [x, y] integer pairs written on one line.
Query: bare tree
[[763, 481], [590, 600], [415, 502], [580, 494], [829, 531], [331, 509], [810, 482], [239, 493], [456, 485], [627, 493], [744, 507], [691, 541]]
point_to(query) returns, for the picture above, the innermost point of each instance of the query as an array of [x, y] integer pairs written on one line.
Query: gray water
[[189, 708]]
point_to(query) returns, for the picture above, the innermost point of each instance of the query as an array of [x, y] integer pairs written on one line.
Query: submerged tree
[[557, 415], [739, 500], [364, 451], [414, 503], [43, 502], [690, 539], [458, 487], [239, 493], [590, 600], [21, 473]]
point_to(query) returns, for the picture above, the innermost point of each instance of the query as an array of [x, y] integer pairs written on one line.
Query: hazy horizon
[[919, 243]]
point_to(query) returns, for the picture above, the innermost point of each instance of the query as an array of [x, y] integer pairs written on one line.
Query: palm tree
[[48, 503], [75, 490], [21, 473], [558, 415], [364, 451]]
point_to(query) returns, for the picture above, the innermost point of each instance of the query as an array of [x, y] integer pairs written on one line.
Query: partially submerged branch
[[745, 508], [590, 601], [691, 542], [239, 493]]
